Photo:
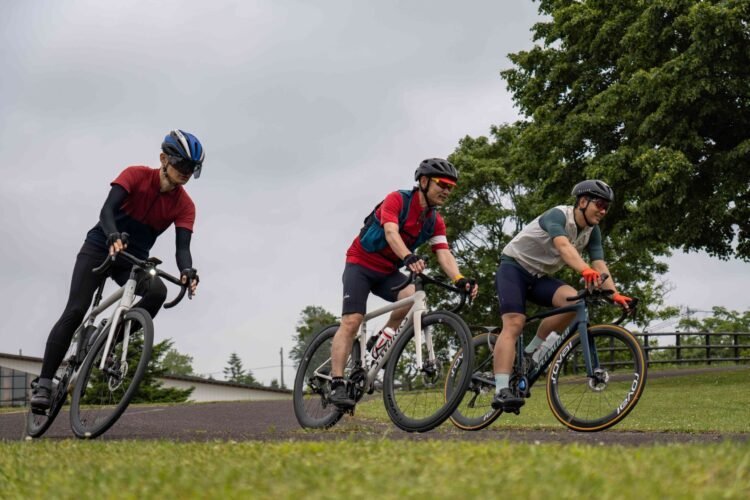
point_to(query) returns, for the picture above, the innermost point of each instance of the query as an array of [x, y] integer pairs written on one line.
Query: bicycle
[[597, 373], [415, 372], [105, 364]]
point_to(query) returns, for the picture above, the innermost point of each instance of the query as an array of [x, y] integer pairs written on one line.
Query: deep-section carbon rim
[[585, 404]]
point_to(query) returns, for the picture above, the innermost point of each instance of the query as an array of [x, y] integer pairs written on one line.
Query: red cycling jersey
[[147, 212], [385, 261]]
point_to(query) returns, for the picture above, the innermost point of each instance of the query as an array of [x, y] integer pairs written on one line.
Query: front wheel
[[596, 403], [101, 395], [312, 384], [475, 411], [418, 400]]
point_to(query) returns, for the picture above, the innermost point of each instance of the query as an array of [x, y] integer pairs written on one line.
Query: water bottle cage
[[377, 344]]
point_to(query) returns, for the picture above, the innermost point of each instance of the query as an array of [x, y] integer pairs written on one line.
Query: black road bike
[[595, 374]]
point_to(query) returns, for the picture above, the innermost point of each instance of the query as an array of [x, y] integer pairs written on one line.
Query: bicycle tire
[[417, 402], [37, 424], [100, 397], [585, 405], [312, 384], [475, 411]]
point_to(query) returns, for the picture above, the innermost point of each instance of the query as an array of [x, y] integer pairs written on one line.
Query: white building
[[17, 372]]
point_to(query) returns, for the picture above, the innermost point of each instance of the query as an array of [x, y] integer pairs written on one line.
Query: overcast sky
[[310, 112]]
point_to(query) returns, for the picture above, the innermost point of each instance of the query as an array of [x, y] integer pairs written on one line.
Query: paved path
[[275, 421]]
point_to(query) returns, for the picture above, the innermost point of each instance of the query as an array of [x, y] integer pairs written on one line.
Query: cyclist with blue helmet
[[142, 203]]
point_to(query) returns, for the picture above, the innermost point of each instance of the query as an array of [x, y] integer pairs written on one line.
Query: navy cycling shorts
[[515, 285], [359, 281]]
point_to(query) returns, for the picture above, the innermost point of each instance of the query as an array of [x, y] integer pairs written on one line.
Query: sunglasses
[[600, 204], [183, 166], [442, 184]]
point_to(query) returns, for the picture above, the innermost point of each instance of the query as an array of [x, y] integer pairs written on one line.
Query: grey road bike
[[106, 362], [595, 374], [418, 361]]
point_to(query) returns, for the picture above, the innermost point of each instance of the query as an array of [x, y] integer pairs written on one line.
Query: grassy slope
[[709, 402], [713, 402], [348, 469]]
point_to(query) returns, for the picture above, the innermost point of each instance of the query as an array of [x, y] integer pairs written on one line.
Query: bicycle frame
[[414, 316], [580, 324], [126, 297], [126, 294]]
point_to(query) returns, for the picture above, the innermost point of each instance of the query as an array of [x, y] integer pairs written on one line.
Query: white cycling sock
[[502, 381], [535, 342]]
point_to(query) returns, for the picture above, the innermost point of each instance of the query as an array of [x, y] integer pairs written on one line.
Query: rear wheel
[[312, 384], [101, 395], [418, 400], [475, 411], [593, 404]]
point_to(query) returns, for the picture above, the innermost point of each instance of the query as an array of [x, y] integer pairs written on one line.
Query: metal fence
[[682, 348], [696, 347], [14, 387]]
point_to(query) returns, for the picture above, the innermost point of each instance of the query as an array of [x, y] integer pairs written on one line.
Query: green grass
[[376, 467], [708, 402], [371, 469]]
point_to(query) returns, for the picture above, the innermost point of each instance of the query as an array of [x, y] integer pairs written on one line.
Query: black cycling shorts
[[359, 281], [514, 285]]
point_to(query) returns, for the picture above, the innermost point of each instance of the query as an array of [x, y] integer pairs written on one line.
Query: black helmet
[[593, 187], [436, 167]]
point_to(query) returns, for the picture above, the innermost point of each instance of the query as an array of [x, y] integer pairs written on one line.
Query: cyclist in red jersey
[[142, 203], [372, 265]]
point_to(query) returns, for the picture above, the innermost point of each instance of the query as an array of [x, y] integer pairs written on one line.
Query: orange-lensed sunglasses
[[444, 183]]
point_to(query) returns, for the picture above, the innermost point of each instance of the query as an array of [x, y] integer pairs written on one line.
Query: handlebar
[[420, 280], [597, 295], [149, 266]]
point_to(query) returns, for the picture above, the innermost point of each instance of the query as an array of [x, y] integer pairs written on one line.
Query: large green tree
[[654, 97], [651, 96]]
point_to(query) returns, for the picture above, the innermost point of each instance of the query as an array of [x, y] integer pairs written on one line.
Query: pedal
[[39, 411]]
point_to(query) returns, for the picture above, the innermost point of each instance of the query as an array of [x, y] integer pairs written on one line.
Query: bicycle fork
[[128, 297]]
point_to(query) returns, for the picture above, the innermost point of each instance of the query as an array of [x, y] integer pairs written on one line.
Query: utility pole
[[281, 354], [689, 314]]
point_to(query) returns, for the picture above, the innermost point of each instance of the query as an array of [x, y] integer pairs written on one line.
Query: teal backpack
[[372, 234]]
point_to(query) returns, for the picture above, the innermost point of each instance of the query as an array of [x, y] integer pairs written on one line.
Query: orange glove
[[621, 300], [590, 276]]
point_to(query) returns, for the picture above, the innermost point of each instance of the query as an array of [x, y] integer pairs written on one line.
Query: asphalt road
[[275, 421]]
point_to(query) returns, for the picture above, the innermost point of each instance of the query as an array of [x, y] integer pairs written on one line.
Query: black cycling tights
[[82, 289]]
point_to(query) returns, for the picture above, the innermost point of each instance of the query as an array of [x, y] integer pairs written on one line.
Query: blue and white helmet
[[185, 146]]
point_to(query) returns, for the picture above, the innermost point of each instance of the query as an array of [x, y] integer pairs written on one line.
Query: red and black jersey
[[385, 261], [146, 212]]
